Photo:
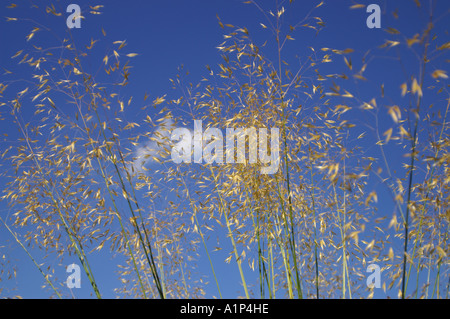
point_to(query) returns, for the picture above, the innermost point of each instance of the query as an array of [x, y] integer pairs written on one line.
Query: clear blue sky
[[169, 33]]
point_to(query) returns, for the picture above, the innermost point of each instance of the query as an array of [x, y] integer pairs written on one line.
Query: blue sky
[[167, 34]]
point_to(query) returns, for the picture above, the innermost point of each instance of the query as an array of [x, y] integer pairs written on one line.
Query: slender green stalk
[[197, 224], [413, 156], [272, 268], [79, 250], [230, 232], [448, 288], [436, 282], [405, 249], [183, 278], [428, 279], [161, 268], [261, 265], [151, 261], [124, 232], [284, 253], [31, 257], [286, 165], [344, 238], [344, 250], [422, 211], [316, 262], [150, 258], [112, 198], [89, 89], [144, 246], [291, 215]]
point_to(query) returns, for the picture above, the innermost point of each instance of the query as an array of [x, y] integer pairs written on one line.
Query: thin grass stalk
[[285, 256], [161, 268], [406, 234], [266, 276], [89, 89], [194, 213], [152, 293], [436, 282], [291, 234], [183, 278], [410, 178], [316, 262], [124, 232], [31, 257], [186, 291], [151, 262], [286, 149], [111, 196], [344, 252], [422, 212], [348, 282], [79, 250], [125, 192], [267, 271], [413, 148], [261, 268], [112, 200], [272, 268], [428, 279], [151, 259], [448, 288], [291, 215], [230, 232], [263, 263], [344, 239], [284, 253]]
